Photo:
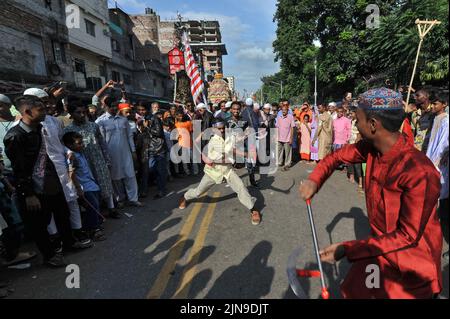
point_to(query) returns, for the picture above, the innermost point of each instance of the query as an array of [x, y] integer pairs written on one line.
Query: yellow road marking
[[174, 254], [191, 266]]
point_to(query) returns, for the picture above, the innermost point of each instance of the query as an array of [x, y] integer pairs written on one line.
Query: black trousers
[[37, 223]]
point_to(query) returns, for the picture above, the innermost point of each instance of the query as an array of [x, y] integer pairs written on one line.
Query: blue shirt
[[84, 174]]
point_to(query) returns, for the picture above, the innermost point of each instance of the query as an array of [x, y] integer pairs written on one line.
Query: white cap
[[332, 104], [4, 99], [39, 93], [201, 106], [228, 105], [267, 106], [249, 102]]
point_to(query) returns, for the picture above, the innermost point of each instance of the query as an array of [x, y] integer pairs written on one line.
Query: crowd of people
[[67, 165]]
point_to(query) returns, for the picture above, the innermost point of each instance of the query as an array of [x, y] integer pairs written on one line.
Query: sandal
[[20, 258]]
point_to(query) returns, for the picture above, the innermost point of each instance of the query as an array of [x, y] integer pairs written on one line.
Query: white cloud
[[256, 53]]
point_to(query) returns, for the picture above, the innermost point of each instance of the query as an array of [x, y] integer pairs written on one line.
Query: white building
[[231, 83], [90, 43]]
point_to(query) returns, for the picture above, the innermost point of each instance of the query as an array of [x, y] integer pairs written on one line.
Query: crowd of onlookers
[[67, 165]]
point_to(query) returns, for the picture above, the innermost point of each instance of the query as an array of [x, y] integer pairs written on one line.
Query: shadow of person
[[266, 183], [335, 273], [361, 223], [178, 292], [251, 279]]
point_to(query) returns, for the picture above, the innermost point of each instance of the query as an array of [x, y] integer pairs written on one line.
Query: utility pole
[[315, 83], [281, 89]]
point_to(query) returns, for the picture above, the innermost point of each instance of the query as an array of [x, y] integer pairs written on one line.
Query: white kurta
[[119, 138], [52, 132]]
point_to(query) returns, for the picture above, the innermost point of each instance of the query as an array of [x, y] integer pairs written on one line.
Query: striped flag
[[193, 72]]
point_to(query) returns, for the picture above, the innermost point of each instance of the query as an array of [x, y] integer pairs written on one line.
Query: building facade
[[122, 65], [34, 46], [206, 42], [152, 76], [90, 44]]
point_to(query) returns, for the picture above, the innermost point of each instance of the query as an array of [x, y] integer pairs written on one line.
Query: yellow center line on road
[[191, 266], [174, 254]]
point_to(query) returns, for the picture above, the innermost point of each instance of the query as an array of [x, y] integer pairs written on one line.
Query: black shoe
[[159, 196], [114, 214], [97, 235], [57, 261], [253, 182]]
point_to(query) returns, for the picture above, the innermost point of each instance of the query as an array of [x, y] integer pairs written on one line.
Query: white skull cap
[[39, 93], [4, 99]]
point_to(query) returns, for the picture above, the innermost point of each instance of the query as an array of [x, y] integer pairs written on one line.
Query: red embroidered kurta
[[402, 192]]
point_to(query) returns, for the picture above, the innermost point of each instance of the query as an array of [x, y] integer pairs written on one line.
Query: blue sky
[[247, 30]]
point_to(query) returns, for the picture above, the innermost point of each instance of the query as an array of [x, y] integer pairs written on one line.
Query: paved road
[[210, 250]]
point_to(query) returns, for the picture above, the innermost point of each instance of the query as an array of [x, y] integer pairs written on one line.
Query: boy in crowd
[[87, 188], [185, 128]]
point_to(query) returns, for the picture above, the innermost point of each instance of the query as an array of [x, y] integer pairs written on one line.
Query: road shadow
[[251, 279], [199, 282], [361, 223], [266, 183]]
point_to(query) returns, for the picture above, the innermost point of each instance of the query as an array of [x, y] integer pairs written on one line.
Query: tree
[[353, 57]]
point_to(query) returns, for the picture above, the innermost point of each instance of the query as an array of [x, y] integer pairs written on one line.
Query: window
[[212, 59], [59, 52], [90, 27], [155, 83], [102, 70], [116, 76], [115, 45], [127, 79], [80, 66]]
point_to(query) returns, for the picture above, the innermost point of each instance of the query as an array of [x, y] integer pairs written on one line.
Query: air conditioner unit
[[107, 33]]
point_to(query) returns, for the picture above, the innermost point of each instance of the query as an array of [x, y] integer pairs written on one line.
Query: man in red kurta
[[402, 192]]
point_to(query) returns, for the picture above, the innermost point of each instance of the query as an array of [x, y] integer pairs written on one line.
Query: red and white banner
[[193, 72], [176, 60]]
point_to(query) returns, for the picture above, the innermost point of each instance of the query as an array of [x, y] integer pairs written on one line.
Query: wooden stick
[[428, 22], [414, 72], [422, 34]]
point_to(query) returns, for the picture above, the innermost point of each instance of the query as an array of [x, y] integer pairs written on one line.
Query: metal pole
[[281, 89], [175, 89], [316, 250], [315, 83]]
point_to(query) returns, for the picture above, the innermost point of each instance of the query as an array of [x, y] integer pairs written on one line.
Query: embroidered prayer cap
[[381, 99]]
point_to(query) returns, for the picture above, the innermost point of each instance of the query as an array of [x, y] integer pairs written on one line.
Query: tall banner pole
[[175, 88], [422, 33]]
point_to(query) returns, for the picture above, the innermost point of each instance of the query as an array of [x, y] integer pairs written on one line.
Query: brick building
[[34, 48]]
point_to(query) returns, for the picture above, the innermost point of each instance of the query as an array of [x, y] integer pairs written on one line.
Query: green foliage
[[350, 53]]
